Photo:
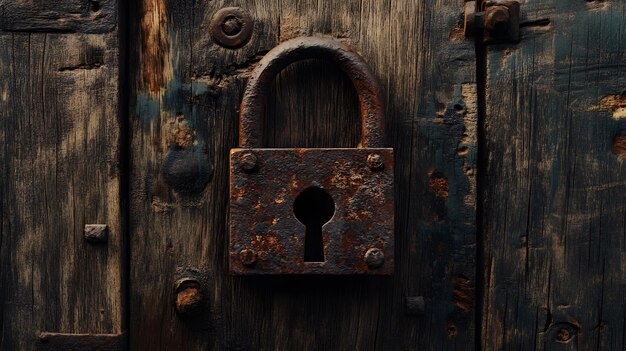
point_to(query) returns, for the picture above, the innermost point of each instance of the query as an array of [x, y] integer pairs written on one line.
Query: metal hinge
[[497, 22], [82, 342]]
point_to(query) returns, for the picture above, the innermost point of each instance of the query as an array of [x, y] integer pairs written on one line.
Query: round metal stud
[[375, 162], [248, 162], [374, 258], [248, 257], [231, 27]]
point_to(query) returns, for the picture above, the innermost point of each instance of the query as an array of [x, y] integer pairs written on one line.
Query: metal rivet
[[231, 27], [375, 162], [248, 257], [415, 305], [96, 233], [374, 258], [189, 299], [248, 162]]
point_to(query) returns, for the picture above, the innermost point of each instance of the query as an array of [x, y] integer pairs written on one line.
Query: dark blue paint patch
[[187, 170]]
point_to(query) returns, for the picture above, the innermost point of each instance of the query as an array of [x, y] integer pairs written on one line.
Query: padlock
[[308, 210]]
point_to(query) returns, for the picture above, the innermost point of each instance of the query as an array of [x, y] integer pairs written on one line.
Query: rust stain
[[457, 33], [463, 293], [616, 103], [262, 207], [188, 296], [439, 184], [181, 134], [619, 144], [156, 66]]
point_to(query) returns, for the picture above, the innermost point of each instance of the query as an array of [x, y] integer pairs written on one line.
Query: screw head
[[375, 162], [248, 162], [374, 258], [189, 298], [248, 257], [497, 18]]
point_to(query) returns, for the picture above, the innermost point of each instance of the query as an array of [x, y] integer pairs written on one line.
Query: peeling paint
[[616, 103]]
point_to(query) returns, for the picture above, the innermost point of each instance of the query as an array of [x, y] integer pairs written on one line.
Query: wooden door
[[554, 187], [62, 150], [510, 175], [188, 90]]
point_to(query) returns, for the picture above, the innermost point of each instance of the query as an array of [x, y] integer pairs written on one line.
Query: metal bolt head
[[375, 162], [248, 162], [231, 27], [497, 18], [189, 298], [248, 257], [374, 258]]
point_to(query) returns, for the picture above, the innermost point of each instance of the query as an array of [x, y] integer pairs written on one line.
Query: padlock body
[[267, 238]]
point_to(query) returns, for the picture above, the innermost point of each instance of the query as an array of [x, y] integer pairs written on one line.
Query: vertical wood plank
[[60, 162], [555, 249], [188, 91]]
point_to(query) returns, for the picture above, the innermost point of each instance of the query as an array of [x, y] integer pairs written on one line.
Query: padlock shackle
[[260, 82]]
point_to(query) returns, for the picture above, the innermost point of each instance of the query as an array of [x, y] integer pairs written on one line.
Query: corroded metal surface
[[366, 84], [231, 27], [266, 237], [498, 22]]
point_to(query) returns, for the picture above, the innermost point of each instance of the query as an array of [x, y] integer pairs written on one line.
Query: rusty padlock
[[305, 210]]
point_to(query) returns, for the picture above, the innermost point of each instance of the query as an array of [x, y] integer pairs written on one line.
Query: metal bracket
[[497, 22]]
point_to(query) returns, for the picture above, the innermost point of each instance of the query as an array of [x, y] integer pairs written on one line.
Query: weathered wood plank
[[60, 160], [83, 16], [185, 111], [554, 218]]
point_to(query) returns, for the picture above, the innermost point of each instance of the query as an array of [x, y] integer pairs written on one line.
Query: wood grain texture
[[67, 16], [555, 209], [60, 160], [185, 110]]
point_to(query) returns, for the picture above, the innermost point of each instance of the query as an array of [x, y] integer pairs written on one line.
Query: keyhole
[[314, 207]]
